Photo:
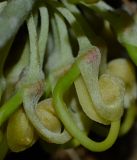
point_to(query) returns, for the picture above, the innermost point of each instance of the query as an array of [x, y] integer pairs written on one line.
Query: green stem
[[63, 84], [128, 120], [132, 51], [10, 106]]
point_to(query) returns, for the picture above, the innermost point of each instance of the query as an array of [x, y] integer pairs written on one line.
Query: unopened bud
[[20, 133]]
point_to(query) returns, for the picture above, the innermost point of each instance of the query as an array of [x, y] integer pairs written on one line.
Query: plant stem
[[10, 106], [128, 120]]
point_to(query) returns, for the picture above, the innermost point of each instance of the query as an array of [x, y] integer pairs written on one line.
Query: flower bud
[[20, 133], [47, 115], [122, 68]]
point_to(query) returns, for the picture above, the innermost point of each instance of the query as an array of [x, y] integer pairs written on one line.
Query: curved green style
[[63, 84], [128, 120], [10, 106], [132, 51]]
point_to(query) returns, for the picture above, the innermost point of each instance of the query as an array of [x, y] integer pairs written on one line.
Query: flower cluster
[[65, 77]]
